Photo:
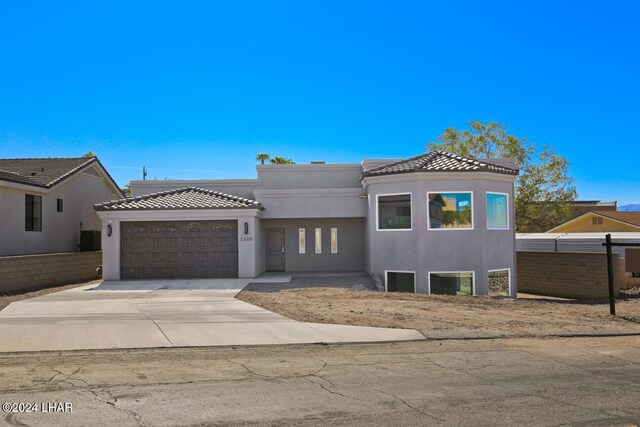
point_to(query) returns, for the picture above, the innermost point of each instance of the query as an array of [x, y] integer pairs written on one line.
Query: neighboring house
[[602, 221], [45, 203], [434, 223], [579, 207], [540, 222]]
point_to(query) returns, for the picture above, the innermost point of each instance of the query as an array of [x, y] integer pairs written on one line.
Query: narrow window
[[450, 210], [497, 211], [398, 281], [302, 244], [318, 240], [59, 205], [33, 213], [334, 240], [394, 212], [499, 283], [451, 283]]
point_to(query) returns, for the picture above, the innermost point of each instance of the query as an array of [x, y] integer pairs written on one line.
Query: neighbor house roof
[[180, 198], [439, 161], [46, 172], [15, 177], [632, 218]]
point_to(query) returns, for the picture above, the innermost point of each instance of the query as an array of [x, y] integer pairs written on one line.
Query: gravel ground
[[5, 300], [630, 293], [358, 282], [450, 316]]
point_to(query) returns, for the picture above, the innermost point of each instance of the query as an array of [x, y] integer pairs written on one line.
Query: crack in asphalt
[[329, 390], [520, 393], [410, 406], [113, 403], [10, 419], [252, 372]]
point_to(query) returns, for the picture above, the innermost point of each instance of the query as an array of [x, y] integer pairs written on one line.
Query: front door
[[275, 249]]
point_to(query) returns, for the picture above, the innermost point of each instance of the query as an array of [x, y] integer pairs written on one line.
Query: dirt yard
[[5, 300], [450, 316]]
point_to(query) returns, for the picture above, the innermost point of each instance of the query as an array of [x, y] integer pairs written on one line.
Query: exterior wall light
[[109, 229], [246, 228]]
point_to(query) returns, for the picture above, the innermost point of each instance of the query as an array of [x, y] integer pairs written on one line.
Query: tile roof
[[15, 177], [180, 198], [632, 218], [45, 172], [439, 161]]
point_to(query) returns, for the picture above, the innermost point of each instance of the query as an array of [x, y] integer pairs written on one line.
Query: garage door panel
[[172, 250]]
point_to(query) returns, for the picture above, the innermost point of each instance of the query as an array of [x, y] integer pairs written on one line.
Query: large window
[[33, 213], [497, 211], [451, 283], [400, 281], [498, 283], [453, 210], [394, 212]]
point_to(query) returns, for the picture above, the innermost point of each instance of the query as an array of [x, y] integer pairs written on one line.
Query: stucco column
[[111, 249], [247, 267]]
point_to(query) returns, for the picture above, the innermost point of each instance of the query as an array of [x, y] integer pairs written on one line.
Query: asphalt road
[[580, 381]]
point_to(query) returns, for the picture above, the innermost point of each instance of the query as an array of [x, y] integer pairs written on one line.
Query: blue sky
[[196, 89]]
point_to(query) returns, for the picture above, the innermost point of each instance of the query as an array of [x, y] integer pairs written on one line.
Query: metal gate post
[[612, 297]]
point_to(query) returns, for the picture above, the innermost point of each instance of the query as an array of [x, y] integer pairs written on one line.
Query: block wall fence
[[25, 273], [566, 274]]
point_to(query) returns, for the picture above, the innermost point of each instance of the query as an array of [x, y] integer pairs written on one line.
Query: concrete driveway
[[181, 313]]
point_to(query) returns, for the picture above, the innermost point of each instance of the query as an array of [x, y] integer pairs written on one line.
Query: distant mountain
[[629, 208]]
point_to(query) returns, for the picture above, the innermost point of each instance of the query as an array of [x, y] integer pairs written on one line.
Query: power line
[[173, 169]]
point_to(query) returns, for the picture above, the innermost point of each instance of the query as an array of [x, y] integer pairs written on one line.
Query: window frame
[[33, 216], [473, 219], [302, 241], [378, 213], [508, 270], [473, 279], [386, 278], [333, 231], [487, 206], [317, 241]]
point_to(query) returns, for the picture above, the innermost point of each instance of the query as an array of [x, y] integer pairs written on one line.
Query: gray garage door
[[178, 249]]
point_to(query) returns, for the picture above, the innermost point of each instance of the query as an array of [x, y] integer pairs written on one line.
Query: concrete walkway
[[136, 314]]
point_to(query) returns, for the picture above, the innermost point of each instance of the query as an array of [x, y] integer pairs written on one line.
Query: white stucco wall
[[250, 259], [60, 230]]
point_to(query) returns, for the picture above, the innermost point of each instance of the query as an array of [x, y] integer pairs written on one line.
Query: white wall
[[60, 230], [250, 258]]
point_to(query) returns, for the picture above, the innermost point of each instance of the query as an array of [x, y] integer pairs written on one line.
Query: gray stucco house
[[435, 223]]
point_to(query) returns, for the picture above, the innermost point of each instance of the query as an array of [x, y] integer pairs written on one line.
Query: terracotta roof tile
[[439, 161], [181, 198]]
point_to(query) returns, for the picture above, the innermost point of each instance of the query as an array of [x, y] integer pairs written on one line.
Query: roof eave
[[112, 209], [365, 175]]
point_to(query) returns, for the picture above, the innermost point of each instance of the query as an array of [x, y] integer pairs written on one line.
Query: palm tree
[[261, 157], [279, 160]]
